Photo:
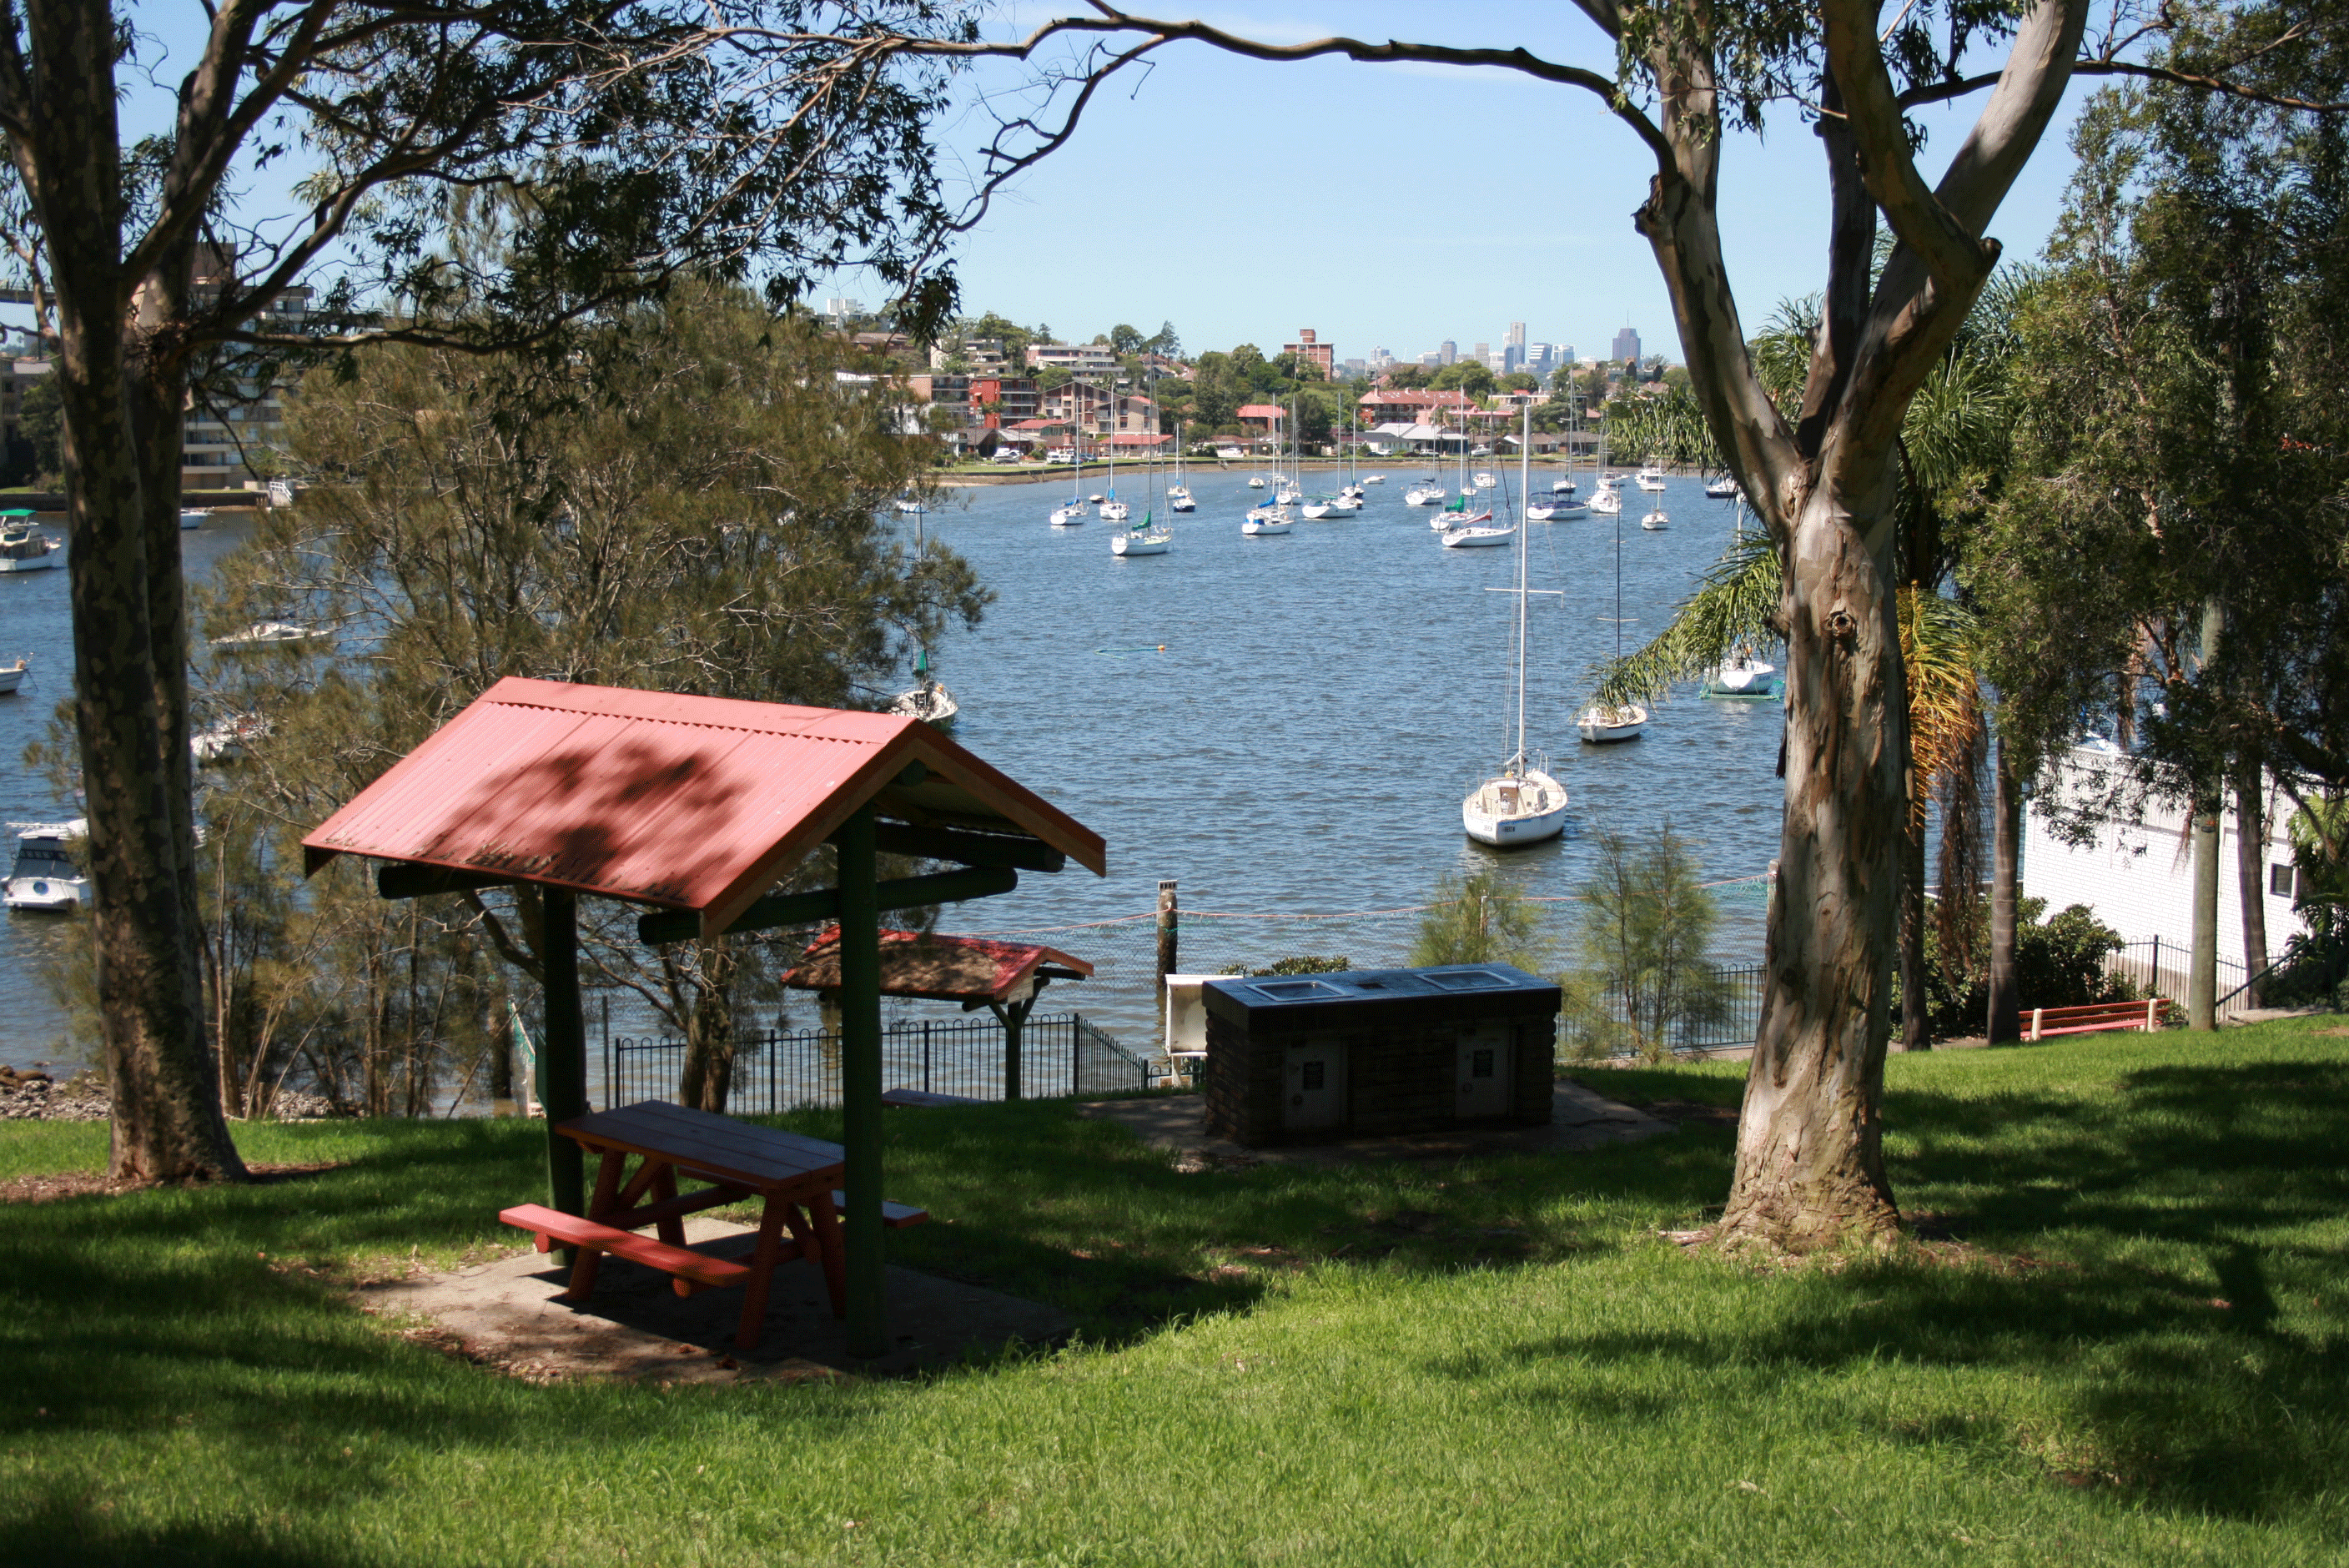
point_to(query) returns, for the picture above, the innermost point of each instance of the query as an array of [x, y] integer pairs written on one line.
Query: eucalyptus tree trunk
[[2251, 877], [2210, 799], [122, 387], [2005, 1025]]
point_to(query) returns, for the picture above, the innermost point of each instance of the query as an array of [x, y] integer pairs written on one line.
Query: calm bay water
[[1299, 745]]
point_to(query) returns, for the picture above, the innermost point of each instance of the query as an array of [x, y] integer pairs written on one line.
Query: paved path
[[1580, 1119]]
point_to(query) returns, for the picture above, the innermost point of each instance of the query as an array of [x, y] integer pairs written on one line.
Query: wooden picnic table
[[793, 1176]]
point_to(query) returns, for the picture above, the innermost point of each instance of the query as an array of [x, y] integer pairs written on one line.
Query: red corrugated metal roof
[[1262, 411], [943, 968], [691, 803]]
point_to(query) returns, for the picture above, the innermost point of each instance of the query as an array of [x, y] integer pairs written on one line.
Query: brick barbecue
[[1374, 1052]]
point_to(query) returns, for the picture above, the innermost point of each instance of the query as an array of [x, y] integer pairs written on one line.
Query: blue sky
[[1386, 206], [1395, 206]]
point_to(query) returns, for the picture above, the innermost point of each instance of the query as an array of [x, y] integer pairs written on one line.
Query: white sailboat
[[1111, 509], [13, 676], [1142, 538], [1264, 521], [1522, 804], [1656, 521], [1740, 675], [1178, 494], [1603, 723], [1072, 511]]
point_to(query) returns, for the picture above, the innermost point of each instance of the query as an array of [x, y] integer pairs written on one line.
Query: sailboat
[[1072, 511], [1522, 804], [1111, 509], [1142, 538], [1656, 521], [1178, 494], [1602, 722], [927, 701]]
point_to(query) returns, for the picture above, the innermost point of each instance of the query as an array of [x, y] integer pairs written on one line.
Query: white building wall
[[2138, 877]]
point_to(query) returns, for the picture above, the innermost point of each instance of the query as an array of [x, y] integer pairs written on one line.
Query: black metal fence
[[787, 1069], [2159, 966], [1736, 1021]]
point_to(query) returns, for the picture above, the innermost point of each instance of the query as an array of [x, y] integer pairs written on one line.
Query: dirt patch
[[64, 1184], [1681, 1112]]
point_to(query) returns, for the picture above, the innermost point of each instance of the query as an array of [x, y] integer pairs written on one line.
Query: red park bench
[[2094, 1018]]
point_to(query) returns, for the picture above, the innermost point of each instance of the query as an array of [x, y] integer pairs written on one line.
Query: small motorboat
[[1742, 676], [908, 504], [46, 877], [23, 546], [226, 741], [1651, 478], [1376, 480], [1656, 521], [13, 676], [196, 516], [1483, 480], [1563, 487], [1255, 481], [1604, 723], [269, 634], [1094, 498], [1722, 488], [929, 702], [1473, 537]]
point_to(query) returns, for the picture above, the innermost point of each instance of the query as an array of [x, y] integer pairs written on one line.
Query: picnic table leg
[[607, 1192], [821, 1240], [671, 1231], [763, 1259]]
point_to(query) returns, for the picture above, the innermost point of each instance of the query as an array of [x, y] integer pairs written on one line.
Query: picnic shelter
[[697, 808]]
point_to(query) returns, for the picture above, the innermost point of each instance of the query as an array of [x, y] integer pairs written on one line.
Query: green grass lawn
[[2134, 1354]]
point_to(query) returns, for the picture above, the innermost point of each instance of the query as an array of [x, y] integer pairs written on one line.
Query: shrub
[[1296, 963], [1644, 925], [2058, 963], [1479, 919]]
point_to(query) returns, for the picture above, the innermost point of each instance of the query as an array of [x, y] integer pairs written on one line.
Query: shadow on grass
[[2158, 1249]]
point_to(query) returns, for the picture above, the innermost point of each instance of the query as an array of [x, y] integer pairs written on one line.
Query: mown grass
[[1495, 1361]]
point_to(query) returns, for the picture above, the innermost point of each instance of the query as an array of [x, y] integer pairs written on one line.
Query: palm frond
[[1735, 606]]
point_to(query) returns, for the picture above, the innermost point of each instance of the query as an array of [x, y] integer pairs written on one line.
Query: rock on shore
[[35, 1096]]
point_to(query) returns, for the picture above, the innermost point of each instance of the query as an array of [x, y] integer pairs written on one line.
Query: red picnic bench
[[2093, 1017], [793, 1176]]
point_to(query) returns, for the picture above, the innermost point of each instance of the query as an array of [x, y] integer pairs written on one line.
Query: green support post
[[860, 1082], [563, 1076]]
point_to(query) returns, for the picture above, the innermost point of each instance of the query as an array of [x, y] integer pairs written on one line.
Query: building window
[[2281, 880]]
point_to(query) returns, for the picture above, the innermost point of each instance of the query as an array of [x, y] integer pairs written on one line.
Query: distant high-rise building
[[1516, 338], [1484, 353], [1432, 358], [842, 309], [1381, 359], [1625, 347], [1447, 352]]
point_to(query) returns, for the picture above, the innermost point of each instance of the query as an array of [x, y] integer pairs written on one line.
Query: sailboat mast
[[1525, 479]]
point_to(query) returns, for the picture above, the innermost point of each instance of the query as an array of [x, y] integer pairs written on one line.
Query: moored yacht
[[23, 546], [45, 876]]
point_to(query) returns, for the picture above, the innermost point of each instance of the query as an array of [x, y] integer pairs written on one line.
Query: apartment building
[[1311, 350], [1084, 358]]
